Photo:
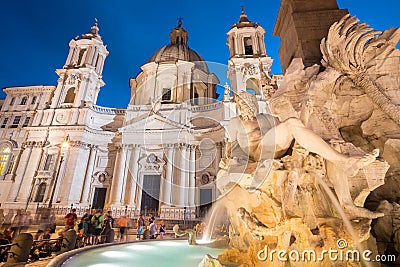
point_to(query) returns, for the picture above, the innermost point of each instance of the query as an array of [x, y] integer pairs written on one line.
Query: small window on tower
[[40, 192], [166, 94], [4, 124], [26, 122], [47, 162], [12, 101], [15, 122], [33, 100], [82, 55], [23, 100], [70, 97], [5, 158], [248, 46], [196, 98]]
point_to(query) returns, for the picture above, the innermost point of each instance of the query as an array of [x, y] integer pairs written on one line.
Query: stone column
[[167, 181], [66, 174], [20, 173], [88, 175], [118, 176], [192, 177], [125, 173], [28, 174], [182, 181], [133, 174], [218, 149]]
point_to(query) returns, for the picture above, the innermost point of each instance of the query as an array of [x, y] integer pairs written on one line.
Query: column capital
[[169, 146], [135, 145], [183, 146], [193, 147]]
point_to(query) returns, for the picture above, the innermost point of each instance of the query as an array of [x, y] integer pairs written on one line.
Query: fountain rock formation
[[209, 261], [301, 183], [191, 233]]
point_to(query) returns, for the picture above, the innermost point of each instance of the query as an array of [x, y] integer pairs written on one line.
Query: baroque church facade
[[160, 154]]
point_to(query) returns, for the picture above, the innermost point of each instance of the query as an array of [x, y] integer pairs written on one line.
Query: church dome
[[178, 50]]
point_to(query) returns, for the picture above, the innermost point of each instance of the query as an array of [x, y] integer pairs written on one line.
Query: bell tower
[[249, 66], [81, 77]]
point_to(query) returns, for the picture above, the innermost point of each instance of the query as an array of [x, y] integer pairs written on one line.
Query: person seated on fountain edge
[[255, 137]]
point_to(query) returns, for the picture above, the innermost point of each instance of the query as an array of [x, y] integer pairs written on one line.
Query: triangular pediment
[[151, 123]]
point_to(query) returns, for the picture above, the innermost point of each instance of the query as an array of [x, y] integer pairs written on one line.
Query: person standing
[[123, 226], [153, 230], [97, 223], [107, 226], [91, 227], [17, 223], [151, 218], [162, 229], [86, 215], [111, 218], [70, 220], [85, 231], [140, 225]]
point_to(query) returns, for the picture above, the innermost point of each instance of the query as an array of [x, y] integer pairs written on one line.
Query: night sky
[[35, 34]]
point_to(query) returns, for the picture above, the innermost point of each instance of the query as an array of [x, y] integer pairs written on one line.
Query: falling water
[[211, 220], [346, 220]]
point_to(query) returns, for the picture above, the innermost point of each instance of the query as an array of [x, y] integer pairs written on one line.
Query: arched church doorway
[[150, 194], [99, 198], [206, 200]]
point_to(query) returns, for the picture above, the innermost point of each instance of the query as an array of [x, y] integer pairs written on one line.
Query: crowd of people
[[94, 227], [150, 228]]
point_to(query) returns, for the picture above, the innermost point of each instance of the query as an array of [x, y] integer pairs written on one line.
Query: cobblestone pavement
[[39, 263]]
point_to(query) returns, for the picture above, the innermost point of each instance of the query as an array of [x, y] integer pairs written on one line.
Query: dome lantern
[[179, 35]]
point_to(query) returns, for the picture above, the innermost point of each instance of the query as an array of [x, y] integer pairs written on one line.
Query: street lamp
[[64, 147]]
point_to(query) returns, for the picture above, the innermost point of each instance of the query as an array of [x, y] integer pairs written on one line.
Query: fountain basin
[[174, 253]]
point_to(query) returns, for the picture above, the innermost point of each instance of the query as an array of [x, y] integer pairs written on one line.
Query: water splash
[[211, 219]]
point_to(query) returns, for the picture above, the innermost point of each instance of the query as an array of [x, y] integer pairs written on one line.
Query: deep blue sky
[[35, 34]]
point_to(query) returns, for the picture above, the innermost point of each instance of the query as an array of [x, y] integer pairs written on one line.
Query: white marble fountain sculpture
[[295, 180]]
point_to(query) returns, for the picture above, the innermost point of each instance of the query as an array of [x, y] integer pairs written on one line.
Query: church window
[[11, 165], [232, 46], [81, 58], [23, 100], [260, 44], [97, 60], [40, 192], [99, 63], [70, 97], [15, 122], [166, 94], [26, 121], [33, 100], [47, 162], [248, 46], [4, 123], [5, 158], [196, 98], [12, 101]]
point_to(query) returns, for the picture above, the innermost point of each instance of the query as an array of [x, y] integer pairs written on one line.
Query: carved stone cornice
[[80, 144], [28, 90], [31, 144]]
